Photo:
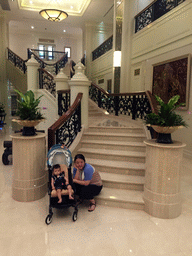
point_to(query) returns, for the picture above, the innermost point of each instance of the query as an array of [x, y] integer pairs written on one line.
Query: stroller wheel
[[74, 216], [48, 219]]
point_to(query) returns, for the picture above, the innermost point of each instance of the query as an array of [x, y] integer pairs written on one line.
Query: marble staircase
[[115, 148]]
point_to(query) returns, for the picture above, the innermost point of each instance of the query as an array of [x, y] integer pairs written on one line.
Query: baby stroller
[[59, 154]]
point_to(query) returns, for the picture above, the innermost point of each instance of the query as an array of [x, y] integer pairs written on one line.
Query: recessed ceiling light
[[31, 2], [71, 7], [32, 27], [64, 30]]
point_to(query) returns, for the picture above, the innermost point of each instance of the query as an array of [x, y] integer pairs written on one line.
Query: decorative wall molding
[[170, 30], [102, 65]]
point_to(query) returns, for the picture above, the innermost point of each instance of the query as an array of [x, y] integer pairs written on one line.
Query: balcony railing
[[103, 48], [154, 11]]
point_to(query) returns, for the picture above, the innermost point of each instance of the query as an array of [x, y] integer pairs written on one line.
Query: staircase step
[[127, 199], [103, 154], [120, 181], [118, 167], [116, 129], [116, 145], [115, 136]]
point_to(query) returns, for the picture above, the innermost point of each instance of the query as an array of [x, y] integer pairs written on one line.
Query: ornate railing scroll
[[66, 128], [136, 105], [17, 61], [103, 48], [154, 11], [56, 66], [46, 81], [63, 101]]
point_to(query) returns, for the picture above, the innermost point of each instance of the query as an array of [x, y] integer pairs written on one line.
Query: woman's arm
[[65, 170], [81, 182]]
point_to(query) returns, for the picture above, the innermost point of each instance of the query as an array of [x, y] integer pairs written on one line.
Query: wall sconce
[[117, 59]]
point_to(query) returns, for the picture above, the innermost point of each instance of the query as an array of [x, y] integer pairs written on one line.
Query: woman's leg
[[92, 205]]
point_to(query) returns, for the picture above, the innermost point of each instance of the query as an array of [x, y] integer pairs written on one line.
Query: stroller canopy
[[59, 154]]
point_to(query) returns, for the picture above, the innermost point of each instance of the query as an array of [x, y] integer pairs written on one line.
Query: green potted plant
[[2, 114], [28, 112], [166, 120]]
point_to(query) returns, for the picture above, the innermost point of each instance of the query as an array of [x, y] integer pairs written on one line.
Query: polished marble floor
[[106, 231]]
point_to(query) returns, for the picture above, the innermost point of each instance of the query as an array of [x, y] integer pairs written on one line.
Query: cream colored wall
[[167, 38], [16, 77], [3, 46], [19, 43], [93, 36], [102, 68]]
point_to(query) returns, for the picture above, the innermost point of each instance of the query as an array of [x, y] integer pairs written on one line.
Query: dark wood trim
[[62, 120], [63, 91], [152, 101], [47, 72]]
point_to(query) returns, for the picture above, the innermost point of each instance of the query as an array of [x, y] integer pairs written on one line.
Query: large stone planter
[[162, 194], [29, 174]]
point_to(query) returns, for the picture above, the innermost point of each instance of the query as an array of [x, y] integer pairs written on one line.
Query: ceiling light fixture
[[53, 14]]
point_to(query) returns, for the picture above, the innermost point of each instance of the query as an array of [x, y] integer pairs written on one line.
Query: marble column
[[162, 195]]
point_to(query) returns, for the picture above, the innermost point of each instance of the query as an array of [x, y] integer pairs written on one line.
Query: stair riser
[[119, 170], [114, 157], [113, 138], [109, 184], [115, 130], [113, 147], [124, 205]]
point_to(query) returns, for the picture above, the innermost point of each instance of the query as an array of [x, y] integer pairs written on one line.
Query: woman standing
[[87, 181]]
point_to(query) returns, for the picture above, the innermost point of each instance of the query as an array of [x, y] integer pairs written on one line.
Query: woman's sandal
[[91, 204]]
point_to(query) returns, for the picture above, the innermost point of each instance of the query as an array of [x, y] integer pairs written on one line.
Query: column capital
[[61, 76]]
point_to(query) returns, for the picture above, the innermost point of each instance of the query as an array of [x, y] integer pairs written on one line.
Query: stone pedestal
[[29, 176], [162, 195], [80, 83]]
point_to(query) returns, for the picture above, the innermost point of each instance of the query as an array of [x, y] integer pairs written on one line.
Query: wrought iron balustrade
[[66, 128], [46, 81], [56, 66], [63, 101], [17, 61], [136, 105], [154, 11], [103, 48]]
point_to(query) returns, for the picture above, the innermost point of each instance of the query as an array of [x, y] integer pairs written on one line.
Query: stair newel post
[[80, 83], [61, 81], [116, 105], [32, 74]]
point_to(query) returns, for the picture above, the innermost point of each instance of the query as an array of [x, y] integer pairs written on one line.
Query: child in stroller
[[59, 182], [60, 156]]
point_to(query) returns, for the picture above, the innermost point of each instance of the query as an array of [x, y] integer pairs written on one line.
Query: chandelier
[[53, 14]]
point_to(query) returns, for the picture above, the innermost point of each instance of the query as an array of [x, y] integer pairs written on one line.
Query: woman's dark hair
[[79, 156]]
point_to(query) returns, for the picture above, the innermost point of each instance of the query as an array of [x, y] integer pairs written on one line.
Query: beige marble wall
[[162, 179], [29, 176]]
